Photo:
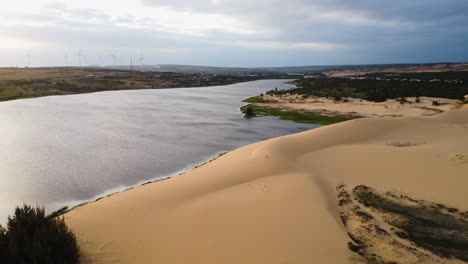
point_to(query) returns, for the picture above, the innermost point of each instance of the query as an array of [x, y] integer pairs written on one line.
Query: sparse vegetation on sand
[[253, 110], [379, 87], [393, 228], [31, 236], [365, 95]]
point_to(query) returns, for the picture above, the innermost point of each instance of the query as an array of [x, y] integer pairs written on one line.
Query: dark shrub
[[417, 100], [435, 103], [249, 112], [31, 236], [402, 100], [3, 245]]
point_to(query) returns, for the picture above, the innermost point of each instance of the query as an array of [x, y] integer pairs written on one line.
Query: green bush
[[435, 103], [31, 236], [249, 112]]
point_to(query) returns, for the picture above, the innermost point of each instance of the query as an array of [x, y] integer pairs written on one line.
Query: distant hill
[[280, 70], [223, 70]]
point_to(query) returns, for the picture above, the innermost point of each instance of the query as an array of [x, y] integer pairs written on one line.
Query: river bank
[[327, 110]]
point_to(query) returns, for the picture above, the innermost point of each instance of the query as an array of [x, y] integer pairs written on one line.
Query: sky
[[232, 33]]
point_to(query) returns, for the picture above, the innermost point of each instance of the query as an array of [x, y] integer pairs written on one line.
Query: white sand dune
[[275, 201]]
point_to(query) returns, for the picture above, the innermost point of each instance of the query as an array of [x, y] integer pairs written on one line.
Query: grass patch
[[295, 116]]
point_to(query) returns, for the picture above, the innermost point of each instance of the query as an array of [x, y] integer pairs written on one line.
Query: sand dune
[[276, 201]]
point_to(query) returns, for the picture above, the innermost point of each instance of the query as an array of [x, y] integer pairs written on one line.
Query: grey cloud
[[374, 31]]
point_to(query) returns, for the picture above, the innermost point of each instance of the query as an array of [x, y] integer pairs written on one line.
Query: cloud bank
[[233, 32]]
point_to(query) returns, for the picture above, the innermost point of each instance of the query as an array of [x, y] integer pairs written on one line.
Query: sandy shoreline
[[276, 201], [360, 107], [75, 204]]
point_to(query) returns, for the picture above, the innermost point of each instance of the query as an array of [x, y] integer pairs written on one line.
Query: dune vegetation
[[32, 236]]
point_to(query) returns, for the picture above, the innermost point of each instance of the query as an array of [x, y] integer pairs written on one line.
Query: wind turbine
[[79, 57], [66, 59], [141, 61], [114, 58], [28, 57], [85, 62], [131, 63]]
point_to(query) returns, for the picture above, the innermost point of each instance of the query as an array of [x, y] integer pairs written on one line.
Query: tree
[[249, 112]]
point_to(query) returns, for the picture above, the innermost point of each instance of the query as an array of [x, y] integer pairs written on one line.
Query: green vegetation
[[295, 116], [31, 236], [254, 99], [461, 76], [435, 227], [249, 112], [382, 86]]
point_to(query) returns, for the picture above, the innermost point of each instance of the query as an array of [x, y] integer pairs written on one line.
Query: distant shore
[[280, 200], [22, 83], [327, 110]]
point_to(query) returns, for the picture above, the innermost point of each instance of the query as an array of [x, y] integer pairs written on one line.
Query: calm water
[[64, 150]]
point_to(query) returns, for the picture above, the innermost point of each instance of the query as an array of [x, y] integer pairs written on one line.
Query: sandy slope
[[275, 201]]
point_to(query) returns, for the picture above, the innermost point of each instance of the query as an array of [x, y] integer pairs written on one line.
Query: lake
[[66, 150]]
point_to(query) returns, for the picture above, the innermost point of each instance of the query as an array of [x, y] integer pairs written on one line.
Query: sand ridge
[[276, 201]]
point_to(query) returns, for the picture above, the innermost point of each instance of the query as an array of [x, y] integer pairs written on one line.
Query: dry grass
[[38, 73]]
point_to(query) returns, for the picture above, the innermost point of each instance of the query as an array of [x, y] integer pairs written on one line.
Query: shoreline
[[40, 82], [326, 110], [280, 194], [131, 89], [115, 191]]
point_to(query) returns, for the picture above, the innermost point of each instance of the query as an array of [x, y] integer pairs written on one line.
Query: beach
[[276, 201]]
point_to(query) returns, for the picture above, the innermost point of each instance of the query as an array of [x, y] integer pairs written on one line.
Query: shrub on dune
[[31, 236]]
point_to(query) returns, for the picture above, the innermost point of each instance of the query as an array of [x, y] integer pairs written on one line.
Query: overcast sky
[[233, 32]]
